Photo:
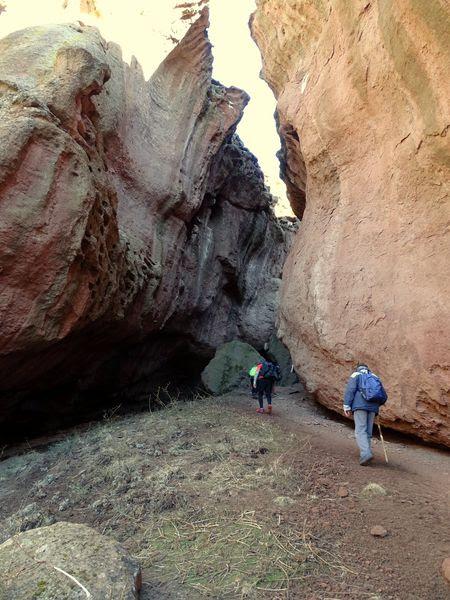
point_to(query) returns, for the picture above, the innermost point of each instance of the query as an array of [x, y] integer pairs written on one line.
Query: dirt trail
[[415, 511], [216, 501]]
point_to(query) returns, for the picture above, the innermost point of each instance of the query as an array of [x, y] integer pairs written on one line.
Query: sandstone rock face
[[446, 569], [134, 226], [57, 562], [229, 367], [363, 111]]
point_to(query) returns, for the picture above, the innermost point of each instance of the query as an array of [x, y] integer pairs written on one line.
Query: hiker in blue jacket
[[363, 397]]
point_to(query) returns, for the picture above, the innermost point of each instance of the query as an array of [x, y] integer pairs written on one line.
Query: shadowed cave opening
[[62, 407]]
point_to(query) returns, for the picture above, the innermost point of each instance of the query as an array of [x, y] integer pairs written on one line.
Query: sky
[[143, 28], [237, 62]]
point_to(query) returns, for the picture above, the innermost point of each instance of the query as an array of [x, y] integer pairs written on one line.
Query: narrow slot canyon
[[188, 191]]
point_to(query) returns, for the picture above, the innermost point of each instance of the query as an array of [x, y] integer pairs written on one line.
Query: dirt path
[[415, 510], [216, 501]]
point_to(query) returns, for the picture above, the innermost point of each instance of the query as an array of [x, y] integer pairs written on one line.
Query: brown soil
[[415, 512], [216, 501]]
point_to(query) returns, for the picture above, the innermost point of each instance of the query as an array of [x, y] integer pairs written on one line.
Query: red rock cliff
[[363, 108], [135, 229]]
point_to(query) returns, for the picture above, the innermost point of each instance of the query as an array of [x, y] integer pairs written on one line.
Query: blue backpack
[[271, 371], [371, 388]]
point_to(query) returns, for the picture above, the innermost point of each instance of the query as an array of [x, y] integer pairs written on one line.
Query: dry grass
[[193, 491], [232, 555]]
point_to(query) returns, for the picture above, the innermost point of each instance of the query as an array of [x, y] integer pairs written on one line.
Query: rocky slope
[[363, 114], [135, 229]]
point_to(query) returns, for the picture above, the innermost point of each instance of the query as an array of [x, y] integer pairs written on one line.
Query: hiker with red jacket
[[266, 374], [363, 397]]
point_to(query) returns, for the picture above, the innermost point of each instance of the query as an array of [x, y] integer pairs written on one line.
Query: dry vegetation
[[204, 498]]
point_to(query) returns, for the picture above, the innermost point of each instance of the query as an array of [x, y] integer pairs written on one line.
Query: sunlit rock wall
[[363, 109]]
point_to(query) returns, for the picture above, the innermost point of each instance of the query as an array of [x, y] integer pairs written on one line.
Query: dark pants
[[264, 386]]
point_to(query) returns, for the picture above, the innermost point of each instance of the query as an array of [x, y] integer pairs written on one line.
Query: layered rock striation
[[363, 114], [135, 228]]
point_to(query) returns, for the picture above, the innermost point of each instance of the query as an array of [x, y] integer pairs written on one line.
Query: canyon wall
[[364, 115], [135, 228]]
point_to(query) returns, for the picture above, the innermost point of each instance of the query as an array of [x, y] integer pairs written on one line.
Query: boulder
[[446, 569], [229, 367], [278, 352], [363, 113], [66, 561], [136, 232]]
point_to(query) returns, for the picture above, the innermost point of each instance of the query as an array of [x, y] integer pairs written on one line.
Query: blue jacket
[[353, 399]]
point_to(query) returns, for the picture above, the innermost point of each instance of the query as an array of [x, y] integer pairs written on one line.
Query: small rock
[[373, 489], [342, 492], [64, 505], [29, 509], [378, 531], [446, 569], [101, 504], [48, 479], [284, 501]]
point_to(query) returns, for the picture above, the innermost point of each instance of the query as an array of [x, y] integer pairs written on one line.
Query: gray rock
[[278, 352], [64, 505], [229, 367], [373, 489], [45, 562], [284, 501]]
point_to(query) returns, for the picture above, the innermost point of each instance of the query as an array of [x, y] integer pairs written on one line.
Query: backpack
[[271, 371], [371, 388], [253, 370]]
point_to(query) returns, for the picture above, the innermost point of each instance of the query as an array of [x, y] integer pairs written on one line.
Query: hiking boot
[[260, 411], [365, 460], [269, 409]]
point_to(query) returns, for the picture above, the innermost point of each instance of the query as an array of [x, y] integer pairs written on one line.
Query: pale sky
[[142, 28]]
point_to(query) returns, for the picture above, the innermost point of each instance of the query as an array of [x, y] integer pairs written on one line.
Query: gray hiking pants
[[363, 431]]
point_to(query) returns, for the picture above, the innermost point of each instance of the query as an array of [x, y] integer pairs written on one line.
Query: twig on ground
[[48, 564], [74, 579]]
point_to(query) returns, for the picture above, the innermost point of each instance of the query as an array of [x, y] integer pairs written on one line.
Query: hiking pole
[[382, 440]]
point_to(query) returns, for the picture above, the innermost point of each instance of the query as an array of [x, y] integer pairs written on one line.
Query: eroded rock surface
[[135, 228], [63, 562], [363, 112]]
